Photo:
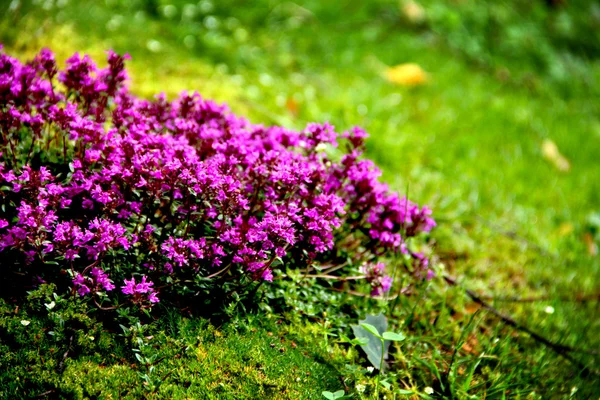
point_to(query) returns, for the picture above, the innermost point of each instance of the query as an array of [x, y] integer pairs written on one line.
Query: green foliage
[[38, 338], [61, 350], [510, 224], [377, 335], [524, 39], [369, 329], [335, 395]]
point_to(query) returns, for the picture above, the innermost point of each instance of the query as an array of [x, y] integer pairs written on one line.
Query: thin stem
[[380, 367], [337, 278], [559, 349]]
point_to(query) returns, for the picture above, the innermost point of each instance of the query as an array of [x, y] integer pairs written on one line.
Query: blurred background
[[486, 111]]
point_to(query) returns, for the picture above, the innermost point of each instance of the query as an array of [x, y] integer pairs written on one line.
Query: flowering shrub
[[100, 189]]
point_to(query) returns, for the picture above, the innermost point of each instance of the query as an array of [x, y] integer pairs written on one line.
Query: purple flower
[[375, 276], [143, 286], [129, 287], [98, 281], [80, 283], [184, 186], [141, 292], [101, 279]]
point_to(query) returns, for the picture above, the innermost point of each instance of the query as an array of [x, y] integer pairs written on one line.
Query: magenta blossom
[[97, 282], [375, 276], [141, 291], [180, 190]]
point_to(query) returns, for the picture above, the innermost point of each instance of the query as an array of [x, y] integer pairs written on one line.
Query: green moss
[[195, 360]]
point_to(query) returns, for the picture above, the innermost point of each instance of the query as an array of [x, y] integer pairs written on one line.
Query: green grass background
[[502, 79]]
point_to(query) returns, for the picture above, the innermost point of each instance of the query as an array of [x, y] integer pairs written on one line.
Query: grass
[[468, 143]]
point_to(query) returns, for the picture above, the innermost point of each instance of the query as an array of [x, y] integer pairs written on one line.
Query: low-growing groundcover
[[54, 347], [112, 204]]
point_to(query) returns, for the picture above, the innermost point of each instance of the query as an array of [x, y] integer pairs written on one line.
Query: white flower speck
[[24, 322], [428, 390], [549, 310]]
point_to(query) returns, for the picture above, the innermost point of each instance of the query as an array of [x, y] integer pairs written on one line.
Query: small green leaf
[[333, 396], [371, 329], [360, 342], [386, 384], [394, 337]]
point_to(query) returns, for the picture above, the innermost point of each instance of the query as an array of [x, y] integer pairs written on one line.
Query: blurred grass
[[469, 142]]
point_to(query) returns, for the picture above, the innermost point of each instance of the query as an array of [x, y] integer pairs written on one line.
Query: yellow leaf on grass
[[292, 106], [413, 11], [406, 74], [566, 228], [552, 154], [592, 247]]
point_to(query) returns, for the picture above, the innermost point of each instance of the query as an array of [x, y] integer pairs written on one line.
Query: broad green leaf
[[328, 395], [333, 396], [394, 337], [372, 347]]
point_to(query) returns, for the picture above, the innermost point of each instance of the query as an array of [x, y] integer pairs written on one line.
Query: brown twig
[[105, 308], [65, 355], [337, 278], [576, 299], [46, 393], [359, 294], [560, 349]]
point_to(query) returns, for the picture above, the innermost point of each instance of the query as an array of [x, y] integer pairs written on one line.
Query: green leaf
[[371, 329], [373, 347], [394, 337], [333, 396], [359, 341]]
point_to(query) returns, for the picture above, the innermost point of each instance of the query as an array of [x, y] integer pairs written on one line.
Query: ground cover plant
[[171, 199], [483, 139], [102, 187]]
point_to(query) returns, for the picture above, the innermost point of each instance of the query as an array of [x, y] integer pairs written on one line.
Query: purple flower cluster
[[140, 291], [91, 174], [375, 276], [97, 282]]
